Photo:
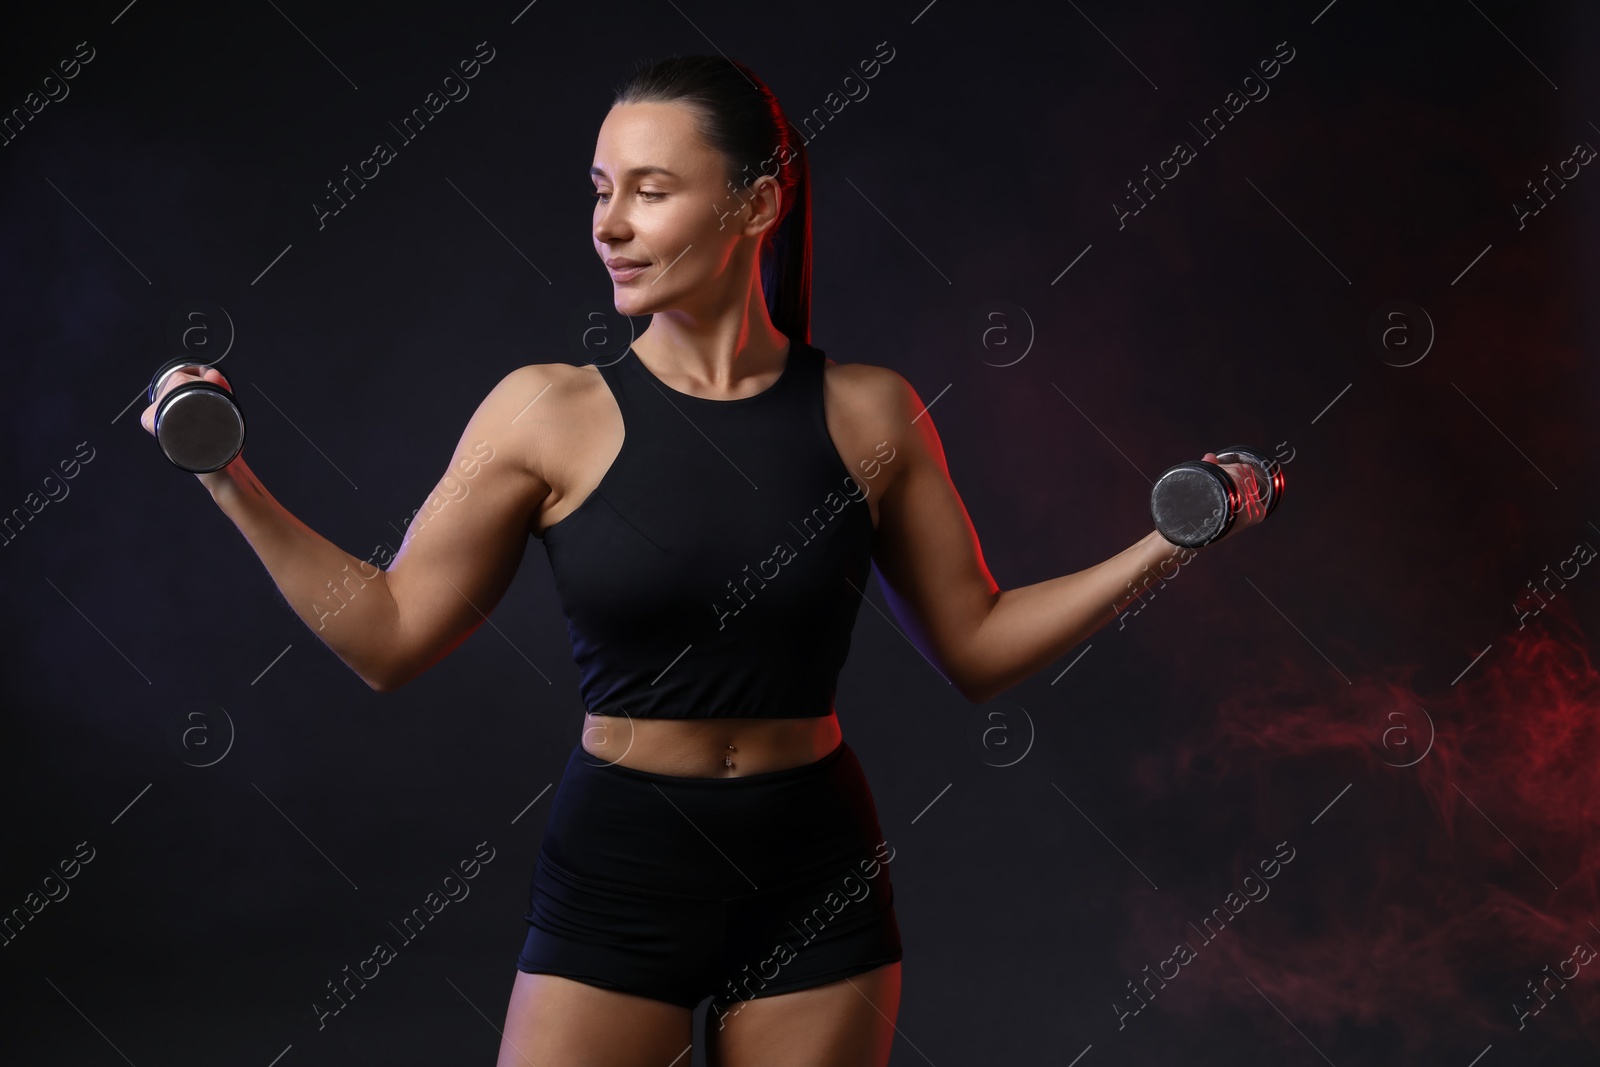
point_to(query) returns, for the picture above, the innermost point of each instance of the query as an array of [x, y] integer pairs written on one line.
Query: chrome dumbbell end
[[1269, 472], [198, 424]]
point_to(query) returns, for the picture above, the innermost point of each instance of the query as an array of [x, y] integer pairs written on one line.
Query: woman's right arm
[[458, 556]]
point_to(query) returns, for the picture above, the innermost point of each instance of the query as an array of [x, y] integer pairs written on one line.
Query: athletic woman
[[712, 503]]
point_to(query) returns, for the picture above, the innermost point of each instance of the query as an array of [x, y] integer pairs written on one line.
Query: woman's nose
[[610, 222]]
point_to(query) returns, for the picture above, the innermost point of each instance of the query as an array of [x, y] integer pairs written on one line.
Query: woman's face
[[662, 199]]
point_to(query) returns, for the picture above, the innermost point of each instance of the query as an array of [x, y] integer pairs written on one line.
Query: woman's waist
[[719, 747], [616, 825]]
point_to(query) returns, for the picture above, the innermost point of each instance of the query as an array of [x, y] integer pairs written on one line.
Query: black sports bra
[[717, 569]]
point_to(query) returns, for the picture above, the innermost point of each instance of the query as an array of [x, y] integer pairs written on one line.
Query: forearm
[[1031, 626], [345, 601]]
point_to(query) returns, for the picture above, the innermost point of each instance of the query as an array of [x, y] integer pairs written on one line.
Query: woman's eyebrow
[[634, 172]]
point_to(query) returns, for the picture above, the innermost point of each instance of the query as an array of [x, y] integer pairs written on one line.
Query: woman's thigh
[[848, 1023], [561, 1022]]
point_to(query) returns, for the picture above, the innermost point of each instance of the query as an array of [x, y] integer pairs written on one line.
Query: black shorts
[[679, 888]]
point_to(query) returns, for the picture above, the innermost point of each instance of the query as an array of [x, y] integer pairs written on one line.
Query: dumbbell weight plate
[[1193, 503], [199, 426]]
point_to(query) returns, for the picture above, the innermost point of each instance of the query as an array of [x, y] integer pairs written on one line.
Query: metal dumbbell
[[198, 424], [1195, 502]]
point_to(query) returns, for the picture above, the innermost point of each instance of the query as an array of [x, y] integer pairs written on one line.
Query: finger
[[177, 378]]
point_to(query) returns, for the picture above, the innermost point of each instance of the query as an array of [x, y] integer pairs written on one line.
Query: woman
[[711, 503]]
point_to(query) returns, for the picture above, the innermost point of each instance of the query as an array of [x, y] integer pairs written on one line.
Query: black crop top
[[717, 569]]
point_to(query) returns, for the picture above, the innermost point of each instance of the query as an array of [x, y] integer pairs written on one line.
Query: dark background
[[1350, 678]]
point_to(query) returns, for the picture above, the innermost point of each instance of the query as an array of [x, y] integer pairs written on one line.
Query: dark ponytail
[[740, 118]]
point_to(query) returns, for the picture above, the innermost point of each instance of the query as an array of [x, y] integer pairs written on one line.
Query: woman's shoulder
[[547, 385], [553, 374], [551, 412], [870, 388], [870, 408], [544, 400]]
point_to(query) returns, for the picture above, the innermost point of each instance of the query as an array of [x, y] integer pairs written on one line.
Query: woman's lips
[[627, 274]]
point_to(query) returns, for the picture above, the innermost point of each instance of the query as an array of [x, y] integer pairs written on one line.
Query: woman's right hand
[[193, 373]]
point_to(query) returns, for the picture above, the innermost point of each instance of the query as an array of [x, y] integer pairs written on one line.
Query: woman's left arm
[[983, 638]]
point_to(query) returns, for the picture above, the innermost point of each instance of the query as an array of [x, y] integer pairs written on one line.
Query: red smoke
[[1405, 909]]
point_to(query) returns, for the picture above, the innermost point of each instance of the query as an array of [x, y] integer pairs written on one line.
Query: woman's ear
[[765, 204]]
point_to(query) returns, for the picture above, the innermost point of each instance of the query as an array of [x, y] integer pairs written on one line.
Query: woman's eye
[[656, 195]]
